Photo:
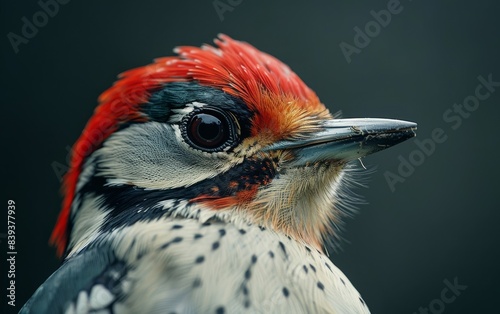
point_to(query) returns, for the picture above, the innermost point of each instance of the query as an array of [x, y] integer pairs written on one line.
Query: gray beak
[[344, 140]]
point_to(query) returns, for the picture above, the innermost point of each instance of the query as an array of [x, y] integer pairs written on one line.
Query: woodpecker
[[209, 182]]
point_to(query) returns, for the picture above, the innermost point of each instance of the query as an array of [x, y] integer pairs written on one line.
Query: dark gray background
[[441, 223]]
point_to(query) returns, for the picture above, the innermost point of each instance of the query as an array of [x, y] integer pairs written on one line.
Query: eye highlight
[[210, 129]]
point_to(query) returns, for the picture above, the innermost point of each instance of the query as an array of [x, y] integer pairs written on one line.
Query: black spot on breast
[[262, 228], [141, 254], [342, 280], [308, 249], [177, 227], [243, 231], [167, 244], [328, 266], [312, 267], [254, 259], [199, 259], [197, 283], [305, 269], [222, 232], [286, 293], [271, 253], [321, 286], [206, 224], [244, 290], [362, 302], [282, 247], [133, 242], [197, 236], [215, 245], [248, 274], [220, 310]]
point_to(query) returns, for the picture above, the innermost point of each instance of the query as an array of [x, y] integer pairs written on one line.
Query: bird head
[[221, 132]]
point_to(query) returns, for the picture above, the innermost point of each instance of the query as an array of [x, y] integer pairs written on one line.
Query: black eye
[[209, 129]]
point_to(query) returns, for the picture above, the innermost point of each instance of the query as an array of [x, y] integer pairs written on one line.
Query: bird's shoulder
[[89, 281]]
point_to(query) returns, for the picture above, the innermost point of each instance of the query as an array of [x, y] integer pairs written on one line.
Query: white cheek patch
[[154, 155]]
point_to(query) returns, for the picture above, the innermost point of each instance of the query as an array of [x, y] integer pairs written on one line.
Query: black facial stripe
[[125, 201]]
